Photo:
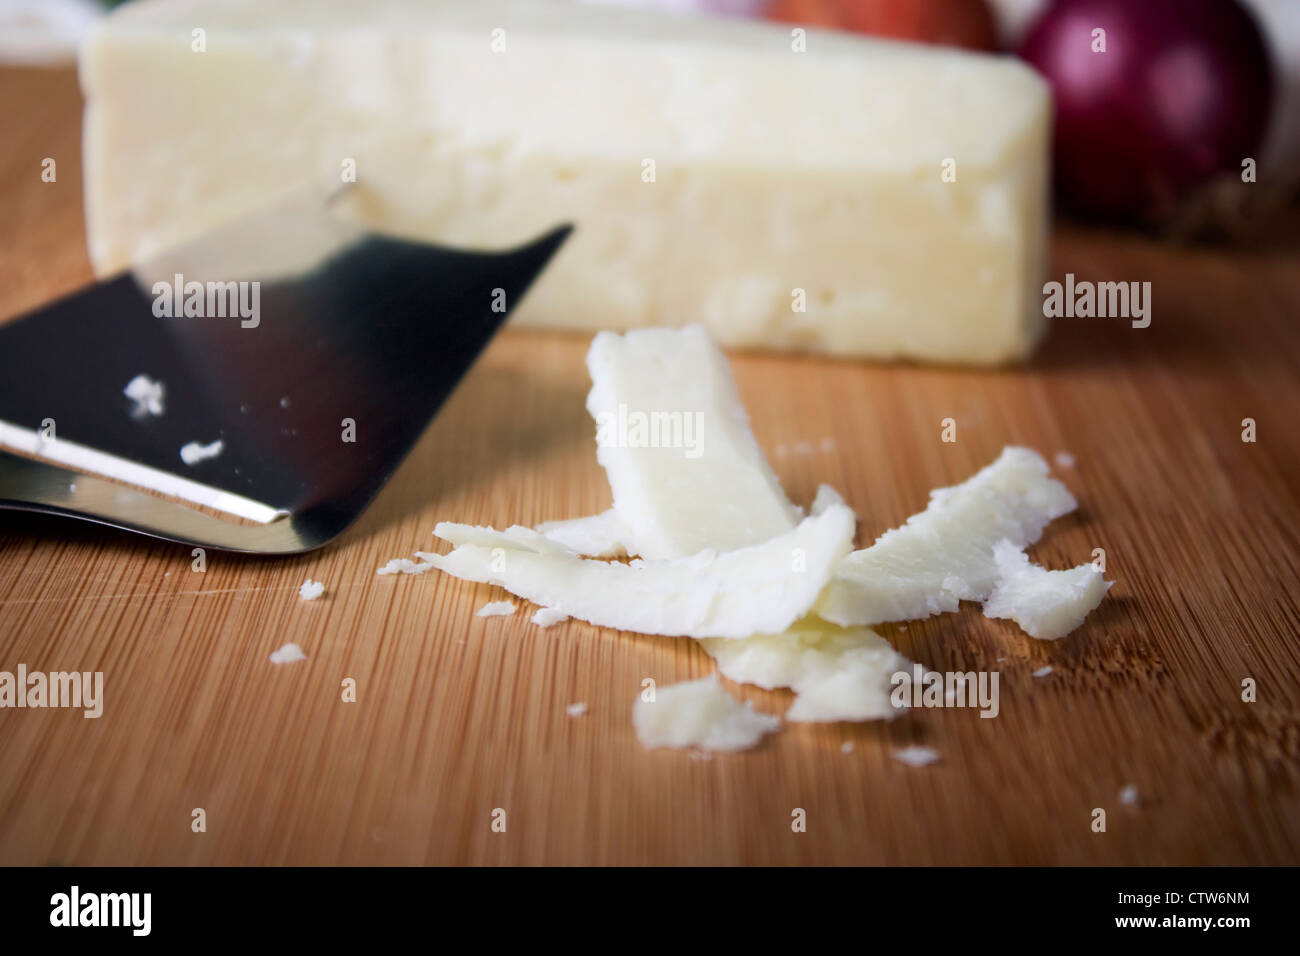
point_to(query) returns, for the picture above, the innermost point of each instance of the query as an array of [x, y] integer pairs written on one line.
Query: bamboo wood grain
[[457, 716]]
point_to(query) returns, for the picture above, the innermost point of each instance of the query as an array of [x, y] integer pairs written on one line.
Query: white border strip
[[95, 462]]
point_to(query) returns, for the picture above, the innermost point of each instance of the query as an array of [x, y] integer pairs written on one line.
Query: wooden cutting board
[[458, 716]]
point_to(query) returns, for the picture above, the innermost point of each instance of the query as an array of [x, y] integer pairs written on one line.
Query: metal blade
[[377, 334]]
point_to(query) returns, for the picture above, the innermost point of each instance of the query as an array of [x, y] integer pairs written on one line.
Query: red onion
[[1180, 96]]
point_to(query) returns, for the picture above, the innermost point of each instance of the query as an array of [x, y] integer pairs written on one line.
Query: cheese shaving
[[944, 554], [838, 674], [596, 536], [756, 590], [674, 440]]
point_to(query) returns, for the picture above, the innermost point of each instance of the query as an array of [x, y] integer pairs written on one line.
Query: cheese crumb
[[405, 566], [846, 747], [496, 609], [1046, 604], [288, 654], [916, 756], [576, 710], [1129, 796], [193, 453], [546, 616], [311, 590], [1043, 671], [699, 714], [1064, 459], [147, 394]]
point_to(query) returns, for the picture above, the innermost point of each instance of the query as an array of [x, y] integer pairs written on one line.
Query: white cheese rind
[[675, 443], [699, 714], [1046, 604], [838, 674], [761, 589], [767, 162], [944, 554]]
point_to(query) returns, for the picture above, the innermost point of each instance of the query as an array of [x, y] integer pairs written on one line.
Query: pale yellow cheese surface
[[774, 170]]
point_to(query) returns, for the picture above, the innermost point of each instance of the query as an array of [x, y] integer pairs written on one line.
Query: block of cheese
[[823, 193]]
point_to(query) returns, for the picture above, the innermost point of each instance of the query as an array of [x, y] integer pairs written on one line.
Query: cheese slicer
[[294, 356]]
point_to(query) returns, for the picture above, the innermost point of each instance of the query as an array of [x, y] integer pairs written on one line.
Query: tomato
[[965, 23]]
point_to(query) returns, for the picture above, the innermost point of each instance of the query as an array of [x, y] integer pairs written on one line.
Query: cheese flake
[[1046, 604], [699, 714]]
